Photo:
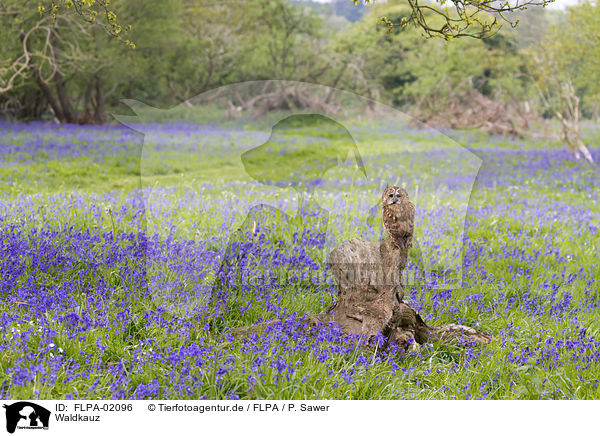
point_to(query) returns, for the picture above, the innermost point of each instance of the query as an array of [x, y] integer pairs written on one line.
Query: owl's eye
[[391, 195]]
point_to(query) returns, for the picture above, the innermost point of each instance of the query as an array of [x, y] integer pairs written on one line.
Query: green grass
[[437, 371]]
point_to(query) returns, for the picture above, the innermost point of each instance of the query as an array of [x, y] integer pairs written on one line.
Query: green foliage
[[425, 73], [569, 52], [580, 53], [184, 48]]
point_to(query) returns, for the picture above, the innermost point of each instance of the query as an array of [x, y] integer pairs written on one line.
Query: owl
[[398, 216]]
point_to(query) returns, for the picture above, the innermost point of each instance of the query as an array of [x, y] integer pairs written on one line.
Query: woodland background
[[57, 66]]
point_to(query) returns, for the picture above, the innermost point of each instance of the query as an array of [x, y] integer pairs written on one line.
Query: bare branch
[[463, 18]]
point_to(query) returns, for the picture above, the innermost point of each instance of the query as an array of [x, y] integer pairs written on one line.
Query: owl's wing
[[408, 210], [404, 225]]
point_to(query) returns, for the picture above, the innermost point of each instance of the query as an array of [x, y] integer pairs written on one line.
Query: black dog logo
[[31, 414]]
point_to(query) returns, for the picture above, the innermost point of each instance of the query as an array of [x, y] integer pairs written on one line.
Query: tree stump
[[370, 297]]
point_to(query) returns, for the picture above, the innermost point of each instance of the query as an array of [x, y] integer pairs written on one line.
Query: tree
[[212, 38], [161, 52], [283, 41], [564, 67], [49, 44], [584, 52], [22, 18], [467, 83]]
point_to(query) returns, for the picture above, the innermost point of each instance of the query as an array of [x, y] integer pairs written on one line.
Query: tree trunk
[[581, 147], [369, 282], [29, 104], [64, 99], [54, 103], [86, 117], [571, 137]]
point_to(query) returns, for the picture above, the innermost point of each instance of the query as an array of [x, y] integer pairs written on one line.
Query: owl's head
[[393, 194]]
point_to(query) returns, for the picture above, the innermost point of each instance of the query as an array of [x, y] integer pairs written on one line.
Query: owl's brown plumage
[[398, 216]]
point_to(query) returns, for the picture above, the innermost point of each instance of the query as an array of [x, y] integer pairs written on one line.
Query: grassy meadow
[[111, 244]]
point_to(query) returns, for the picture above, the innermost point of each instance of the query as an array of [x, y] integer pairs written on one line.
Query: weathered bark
[[368, 276], [370, 297]]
